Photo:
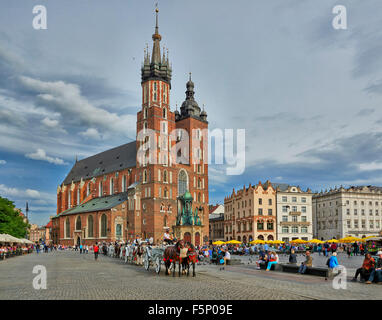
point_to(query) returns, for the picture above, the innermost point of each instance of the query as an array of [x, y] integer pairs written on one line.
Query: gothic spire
[[159, 67], [156, 38]]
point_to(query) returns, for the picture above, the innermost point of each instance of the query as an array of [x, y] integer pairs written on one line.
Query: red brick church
[[134, 189]]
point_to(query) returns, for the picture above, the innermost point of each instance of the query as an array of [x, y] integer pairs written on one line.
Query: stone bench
[[232, 262], [274, 267], [314, 271]]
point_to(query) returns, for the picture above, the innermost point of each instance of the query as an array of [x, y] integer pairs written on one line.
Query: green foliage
[[10, 220]]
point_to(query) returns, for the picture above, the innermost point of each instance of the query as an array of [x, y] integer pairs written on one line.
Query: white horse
[[110, 250]]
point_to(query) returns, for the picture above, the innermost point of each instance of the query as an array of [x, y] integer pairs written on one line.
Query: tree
[[10, 220]]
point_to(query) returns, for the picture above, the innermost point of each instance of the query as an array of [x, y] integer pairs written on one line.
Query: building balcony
[[295, 213]]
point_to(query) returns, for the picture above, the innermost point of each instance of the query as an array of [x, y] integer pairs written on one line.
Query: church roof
[[108, 161], [98, 204]]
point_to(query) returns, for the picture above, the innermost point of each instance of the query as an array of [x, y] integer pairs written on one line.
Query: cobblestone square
[[71, 275]]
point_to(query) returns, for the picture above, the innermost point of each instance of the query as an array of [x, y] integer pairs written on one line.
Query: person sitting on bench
[[366, 269], [307, 263]]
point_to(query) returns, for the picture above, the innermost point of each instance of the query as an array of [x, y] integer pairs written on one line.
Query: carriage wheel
[[146, 262], [157, 265]]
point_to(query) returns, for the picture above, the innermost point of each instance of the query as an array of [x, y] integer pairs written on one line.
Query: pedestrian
[[274, 259], [376, 273], [366, 269], [348, 251], [95, 249], [292, 258], [319, 249], [80, 248], [307, 263]]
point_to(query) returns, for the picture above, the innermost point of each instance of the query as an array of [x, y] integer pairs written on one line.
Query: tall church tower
[[155, 122], [162, 177]]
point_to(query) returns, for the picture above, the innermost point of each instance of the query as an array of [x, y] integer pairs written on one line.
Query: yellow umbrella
[[218, 243], [299, 241], [316, 241], [278, 242], [233, 242], [332, 241], [349, 239], [258, 241]]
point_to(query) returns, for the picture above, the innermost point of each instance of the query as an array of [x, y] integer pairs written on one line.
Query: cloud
[[3, 162], [91, 133], [66, 99], [365, 112], [370, 166], [40, 154], [18, 193]]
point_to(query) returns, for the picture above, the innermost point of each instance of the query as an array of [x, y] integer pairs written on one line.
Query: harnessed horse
[[171, 257], [191, 258]]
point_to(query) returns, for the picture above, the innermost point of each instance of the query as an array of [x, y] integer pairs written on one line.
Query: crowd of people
[[8, 250]]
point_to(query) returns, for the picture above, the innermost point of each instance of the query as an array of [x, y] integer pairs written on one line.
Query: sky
[[308, 96]]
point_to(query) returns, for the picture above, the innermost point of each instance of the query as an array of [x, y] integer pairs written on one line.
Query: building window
[[284, 199], [285, 229], [90, 226], [304, 229], [155, 91], [67, 228], [260, 201], [294, 229], [103, 225], [270, 202], [182, 183], [285, 209], [269, 225], [285, 218], [111, 186], [100, 189], [294, 218], [303, 209], [164, 113], [303, 218], [260, 226], [88, 189], [303, 199], [260, 211], [78, 223], [269, 212], [294, 199], [118, 230]]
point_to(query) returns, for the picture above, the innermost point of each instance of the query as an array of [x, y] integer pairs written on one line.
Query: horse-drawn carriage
[[170, 256], [153, 256]]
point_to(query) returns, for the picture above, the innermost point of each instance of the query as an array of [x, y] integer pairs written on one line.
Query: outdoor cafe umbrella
[[299, 241], [26, 241], [9, 238], [316, 241], [233, 242], [349, 239], [218, 243], [258, 241], [332, 241]]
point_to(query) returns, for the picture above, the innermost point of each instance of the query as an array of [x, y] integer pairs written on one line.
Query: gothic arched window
[[111, 186], [67, 228], [182, 182], [90, 226], [103, 225], [78, 223], [100, 188]]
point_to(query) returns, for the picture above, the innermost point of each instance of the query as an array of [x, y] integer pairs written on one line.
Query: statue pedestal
[[189, 233]]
